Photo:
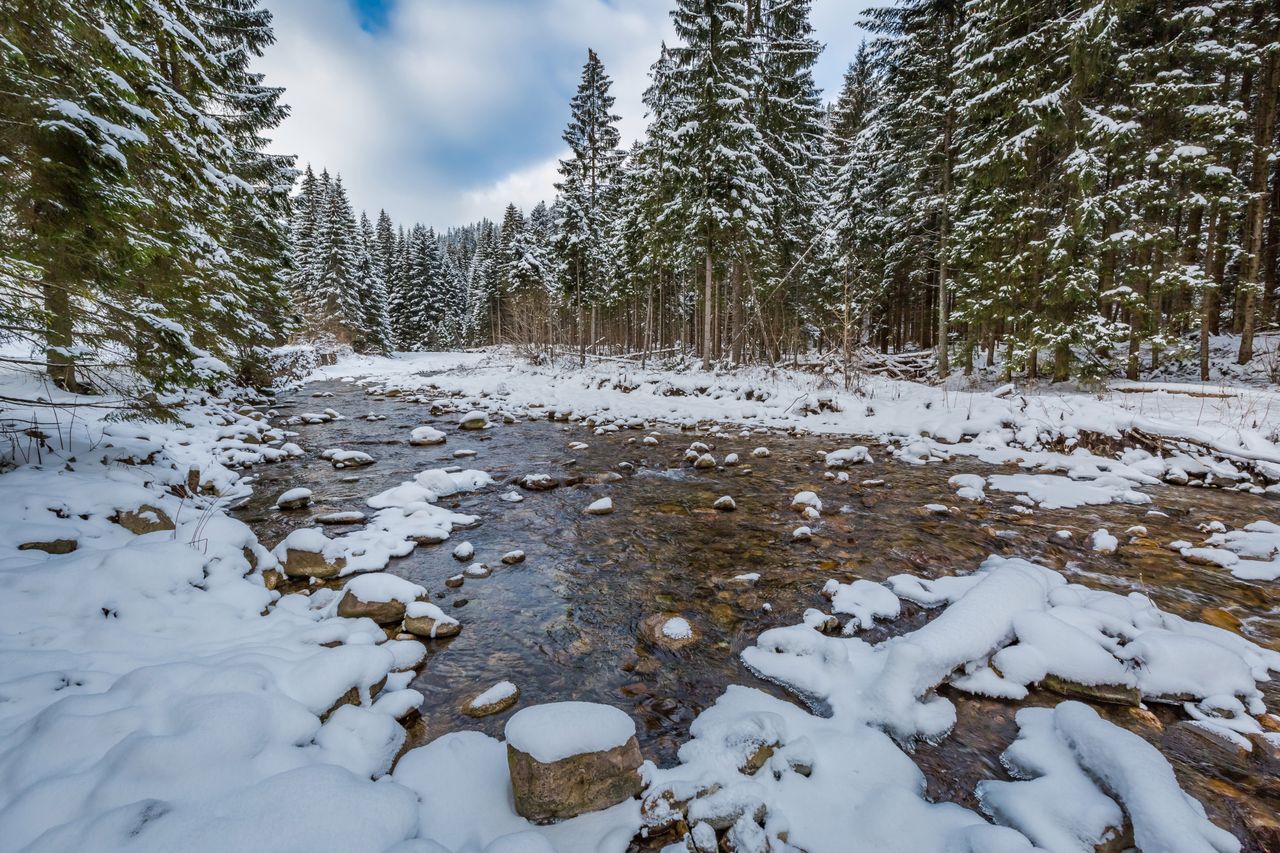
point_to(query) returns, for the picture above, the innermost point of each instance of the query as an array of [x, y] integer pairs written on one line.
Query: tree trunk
[[708, 319], [1264, 130]]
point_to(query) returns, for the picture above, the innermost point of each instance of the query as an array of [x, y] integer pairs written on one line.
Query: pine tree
[[586, 178], [721, 185]]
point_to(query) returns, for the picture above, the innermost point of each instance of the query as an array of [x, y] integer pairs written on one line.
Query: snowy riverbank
[[158, 694]]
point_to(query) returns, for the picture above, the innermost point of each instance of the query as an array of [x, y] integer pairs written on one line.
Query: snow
[[855, 455], [559, 730], [600, 506], [496, 693], [380, 586], [863, 600], [159, 697], [293, 495], [425, 435], [677, 628], [465, 803], [1103, 542]]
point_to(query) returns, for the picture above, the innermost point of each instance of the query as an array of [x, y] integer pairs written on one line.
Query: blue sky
[[442, 111]]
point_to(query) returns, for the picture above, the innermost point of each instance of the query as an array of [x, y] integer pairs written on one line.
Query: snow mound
[[558, 730]]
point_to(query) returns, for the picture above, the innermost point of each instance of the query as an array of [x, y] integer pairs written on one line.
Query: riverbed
[[567, 623]]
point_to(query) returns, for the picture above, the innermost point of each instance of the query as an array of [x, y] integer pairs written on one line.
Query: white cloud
[[524, 188], [457, 106]]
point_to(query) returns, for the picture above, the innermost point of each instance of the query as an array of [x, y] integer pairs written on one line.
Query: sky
[[443, 111]]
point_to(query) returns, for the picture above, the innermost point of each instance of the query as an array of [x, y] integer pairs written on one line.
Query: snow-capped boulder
[[378, 596], [511, 558], [294, 499], [495, 700], [604, 506], [425, 436], [474, 420], [424, 619], [725, 503], [569, 758], [704, 461], [144, 519]]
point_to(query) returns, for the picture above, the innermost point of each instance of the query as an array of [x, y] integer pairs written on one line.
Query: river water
[[567, 622]]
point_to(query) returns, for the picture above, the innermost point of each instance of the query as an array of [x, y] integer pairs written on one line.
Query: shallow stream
[[567, 622]]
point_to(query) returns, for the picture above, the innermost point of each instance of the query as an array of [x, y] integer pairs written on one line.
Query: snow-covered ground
[[156, 694]]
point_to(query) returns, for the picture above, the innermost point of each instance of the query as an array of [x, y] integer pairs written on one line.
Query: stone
[[455, 581], [706, 460], [477, 570], [425, 436], [545, 792], [1113, 694], [498, 698], [51, 546], [349, 517], [144, 519], [383, 612], [725, 504], [512, 558], [294, 499], [760, 452], [538, 482], [603, 506], [309, 564], [474, 420], [425, 619], [669, 631], [464, 552]]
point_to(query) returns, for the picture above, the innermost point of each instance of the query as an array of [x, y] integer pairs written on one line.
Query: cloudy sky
[[442, 111]]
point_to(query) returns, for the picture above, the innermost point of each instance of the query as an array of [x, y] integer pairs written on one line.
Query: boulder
[[383, 612], [511, 558], [311, 564], [1112, 694], [424, 619], [569, 758], [705, 461], [495, 700], [144, 519], [51, 546], [425, 436], [294, 499], [538, 482], [604, 506], [725, 504], [474, 420]]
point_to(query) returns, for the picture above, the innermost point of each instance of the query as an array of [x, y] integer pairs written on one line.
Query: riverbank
[[163, 691]]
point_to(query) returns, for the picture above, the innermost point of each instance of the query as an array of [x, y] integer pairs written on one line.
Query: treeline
[[142, 233], [1069, 188]]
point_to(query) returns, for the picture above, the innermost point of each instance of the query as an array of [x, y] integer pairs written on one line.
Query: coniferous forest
[[1065, 190]]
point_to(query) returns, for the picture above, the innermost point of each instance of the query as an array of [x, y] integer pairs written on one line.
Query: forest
[[1062, 189]]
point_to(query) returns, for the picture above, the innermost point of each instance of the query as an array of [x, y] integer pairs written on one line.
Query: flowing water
[[567, 623]]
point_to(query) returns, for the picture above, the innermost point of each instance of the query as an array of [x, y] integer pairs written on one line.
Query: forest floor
[[907, 568]]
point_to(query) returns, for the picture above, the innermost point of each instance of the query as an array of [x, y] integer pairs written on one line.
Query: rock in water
[[294, 499], [725, 504], [604, 506], [495, 700], [474, 420], [705, 461], [425, 436], [569, 758], [511, 558], [424, 619]]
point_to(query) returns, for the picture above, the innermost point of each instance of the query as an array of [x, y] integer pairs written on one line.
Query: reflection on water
[[566, 623]]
